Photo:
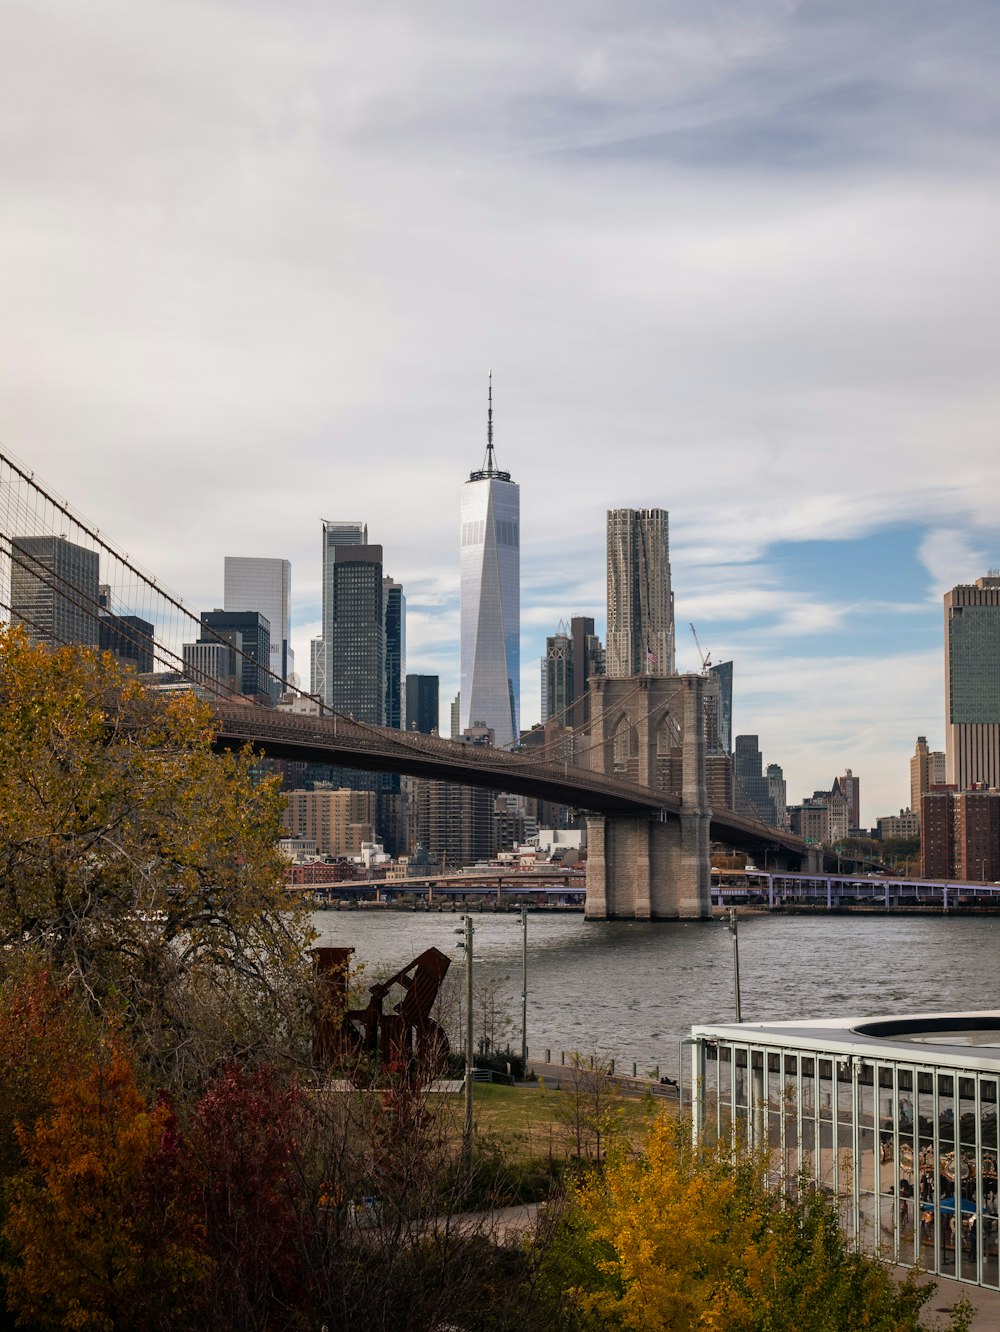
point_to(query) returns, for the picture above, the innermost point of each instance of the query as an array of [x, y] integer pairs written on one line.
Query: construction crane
[[706, 659]]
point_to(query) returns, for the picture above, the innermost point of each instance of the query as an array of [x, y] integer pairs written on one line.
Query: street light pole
[[524, 991], [736, 958], [467, 1139]]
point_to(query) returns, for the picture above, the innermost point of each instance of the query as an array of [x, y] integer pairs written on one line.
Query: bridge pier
[[646, 868], [650, 867]]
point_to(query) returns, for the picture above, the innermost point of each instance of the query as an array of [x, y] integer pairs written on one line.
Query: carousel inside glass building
[[894, 1117]]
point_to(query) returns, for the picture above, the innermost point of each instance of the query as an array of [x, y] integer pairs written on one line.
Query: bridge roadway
[[759, 889], [340, 740], [780, 891]]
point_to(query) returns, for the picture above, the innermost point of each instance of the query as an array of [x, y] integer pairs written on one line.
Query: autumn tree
[[139, 862], [87, 1250], [683, 1236]]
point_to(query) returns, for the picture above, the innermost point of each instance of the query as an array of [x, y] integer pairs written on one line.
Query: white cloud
[[951, 557], [735, 261]]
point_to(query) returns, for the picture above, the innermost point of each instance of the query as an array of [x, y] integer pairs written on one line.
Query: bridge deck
[[339, 740]]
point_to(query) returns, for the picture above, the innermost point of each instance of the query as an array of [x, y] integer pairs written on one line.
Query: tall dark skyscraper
[[394, 604], [354, 633], [250, 633], [55, 590], [490, 692], [640, 600], [572, 657], [719, 737], [422, 695], [972, 682], [336, 532]]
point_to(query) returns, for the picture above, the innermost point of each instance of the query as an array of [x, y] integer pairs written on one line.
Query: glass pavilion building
[[490, 600], [895, 1118]]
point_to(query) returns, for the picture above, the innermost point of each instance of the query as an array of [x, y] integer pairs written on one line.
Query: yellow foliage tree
[[683, 1237], [138, 861]]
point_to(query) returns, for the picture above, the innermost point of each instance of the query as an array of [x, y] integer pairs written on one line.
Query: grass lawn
[[526, 1120]]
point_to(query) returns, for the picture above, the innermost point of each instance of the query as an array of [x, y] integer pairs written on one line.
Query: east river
[[633, 990]]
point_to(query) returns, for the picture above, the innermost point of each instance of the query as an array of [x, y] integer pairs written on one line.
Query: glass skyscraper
[[972, 682], [354, 633], [394, 609], [264, 585], [336, 532], [490, 690], [54, 590]]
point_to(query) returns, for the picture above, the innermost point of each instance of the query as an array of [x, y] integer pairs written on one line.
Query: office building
[[422, 693], [490, 688], [215, 666], [719, 710], [254, 583], [129, 638], [778, 791], [557, 675], [394, 610], [249, 634], [927, 768], [719, 781], [573, 656], [972, 683], [850, 788], [640, 601], [751, 788], [336, 532], [337, 821], [317, 668], [54, 590], [354, 632]]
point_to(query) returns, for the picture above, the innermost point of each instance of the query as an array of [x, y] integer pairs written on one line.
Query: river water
[[632, 990]]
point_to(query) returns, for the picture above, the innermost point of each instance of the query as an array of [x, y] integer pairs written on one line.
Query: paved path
[[561, 1075], [985, 1302]]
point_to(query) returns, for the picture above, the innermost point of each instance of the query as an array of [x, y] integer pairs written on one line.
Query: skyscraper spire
[[489, 469], [489, 426]]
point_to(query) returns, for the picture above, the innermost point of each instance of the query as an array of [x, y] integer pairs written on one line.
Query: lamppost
[[524, 990], [467, 945], [733, 930]]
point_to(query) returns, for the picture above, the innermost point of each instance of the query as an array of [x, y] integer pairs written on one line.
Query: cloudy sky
[[737, 261]]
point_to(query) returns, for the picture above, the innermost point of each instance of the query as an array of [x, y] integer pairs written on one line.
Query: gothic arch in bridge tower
[[669, 753], [625, 746]]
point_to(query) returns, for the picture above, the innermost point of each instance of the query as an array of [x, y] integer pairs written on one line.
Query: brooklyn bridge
[[648, 847]]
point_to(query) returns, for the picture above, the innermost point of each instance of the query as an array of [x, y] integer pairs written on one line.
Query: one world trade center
[[491, 598]]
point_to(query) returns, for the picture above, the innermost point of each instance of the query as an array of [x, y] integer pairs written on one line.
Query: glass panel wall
[[907, 1151]]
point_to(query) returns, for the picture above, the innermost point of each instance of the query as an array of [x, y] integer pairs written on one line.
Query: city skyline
[[738, 265]]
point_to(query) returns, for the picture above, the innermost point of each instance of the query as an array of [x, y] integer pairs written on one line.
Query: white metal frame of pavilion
[[894, 1117]]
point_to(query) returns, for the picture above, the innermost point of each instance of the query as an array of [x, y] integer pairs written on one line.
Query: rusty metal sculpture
[[405, 1038]]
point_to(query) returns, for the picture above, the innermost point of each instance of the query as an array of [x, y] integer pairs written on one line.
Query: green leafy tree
[[589, 1105]]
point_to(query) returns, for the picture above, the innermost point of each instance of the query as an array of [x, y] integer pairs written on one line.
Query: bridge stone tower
[[650, 729]]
